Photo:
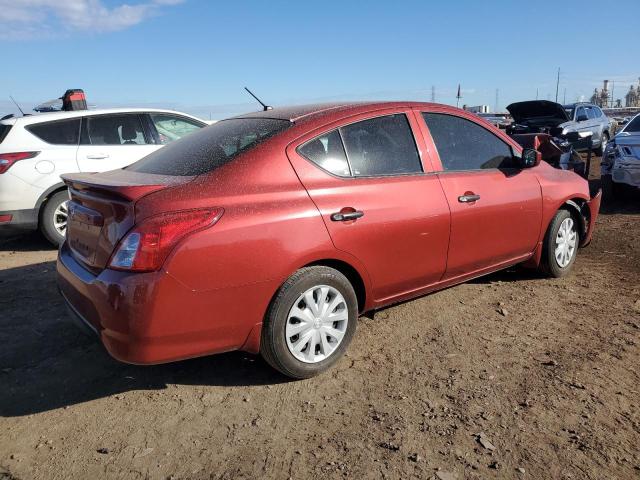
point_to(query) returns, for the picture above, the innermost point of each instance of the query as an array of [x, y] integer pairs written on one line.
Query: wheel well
[[576, 207], [352, 275]]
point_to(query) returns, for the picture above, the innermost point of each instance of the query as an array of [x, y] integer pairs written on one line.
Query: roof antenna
[[12, 99], [265, 107]]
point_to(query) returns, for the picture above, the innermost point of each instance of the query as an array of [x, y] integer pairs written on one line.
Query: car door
[[112, 141], [496, 208], [378, 202]]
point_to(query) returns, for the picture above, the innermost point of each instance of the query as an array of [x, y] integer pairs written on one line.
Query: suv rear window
[[4, 130], [61, 132], [209, 148]]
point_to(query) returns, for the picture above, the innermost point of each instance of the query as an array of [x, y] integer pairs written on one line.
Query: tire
[[54, 208], [550, 263], [603, 144], [290, 311]]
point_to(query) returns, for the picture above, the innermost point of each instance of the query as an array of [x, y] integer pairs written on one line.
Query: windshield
[[633, 126], [209, 148]]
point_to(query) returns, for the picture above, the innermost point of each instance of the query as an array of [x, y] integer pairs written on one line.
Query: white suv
[[36, 149]]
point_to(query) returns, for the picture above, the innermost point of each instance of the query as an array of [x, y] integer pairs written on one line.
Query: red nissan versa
[[271, 232]]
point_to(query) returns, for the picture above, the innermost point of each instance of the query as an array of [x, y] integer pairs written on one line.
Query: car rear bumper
[[147, 318], [15, 221]]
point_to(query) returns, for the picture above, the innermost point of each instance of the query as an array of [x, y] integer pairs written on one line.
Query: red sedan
[[271, 232]]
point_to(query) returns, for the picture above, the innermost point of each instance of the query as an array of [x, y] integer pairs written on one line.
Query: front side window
[[327, 152], [580, 113], [381, 146], [171, 127], [210, 148], [115, 130], [62, 132], [591, 113], [465, 145], [633, 126]]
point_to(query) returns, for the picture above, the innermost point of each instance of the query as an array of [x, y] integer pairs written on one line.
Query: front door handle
[[346, 216], [97, 156], [468, 198]]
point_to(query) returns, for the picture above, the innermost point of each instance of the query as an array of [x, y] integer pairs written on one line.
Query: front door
[[496, 208], [377, 201], [108, 142]]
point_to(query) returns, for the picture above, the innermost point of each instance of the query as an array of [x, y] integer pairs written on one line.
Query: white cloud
[[44, 18]]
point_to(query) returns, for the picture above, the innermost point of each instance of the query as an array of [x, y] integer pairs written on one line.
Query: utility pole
[[557, 84], [613, 85], [433, 93], [564, 96], [458, 97], [536, 93], [497, 100]]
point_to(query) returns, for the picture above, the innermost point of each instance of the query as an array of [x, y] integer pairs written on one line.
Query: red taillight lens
[[8, 159], [147, 245]]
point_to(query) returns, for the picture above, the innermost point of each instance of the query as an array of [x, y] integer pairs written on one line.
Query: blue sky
[[196, 55]]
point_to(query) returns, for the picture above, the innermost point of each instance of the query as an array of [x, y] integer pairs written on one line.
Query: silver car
[[622, 157], [543, 116]]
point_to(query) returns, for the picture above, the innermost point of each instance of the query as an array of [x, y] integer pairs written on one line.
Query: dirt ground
[[445, 386]]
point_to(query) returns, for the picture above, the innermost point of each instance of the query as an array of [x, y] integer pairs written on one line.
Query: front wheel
[[560, 246], [53, 218], [604, 139], [310, 322]]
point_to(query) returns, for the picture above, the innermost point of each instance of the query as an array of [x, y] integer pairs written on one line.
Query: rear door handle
[[345, 216], [468, 198], [97, 156]]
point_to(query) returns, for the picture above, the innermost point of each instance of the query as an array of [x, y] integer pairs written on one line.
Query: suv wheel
[[53, 218], [310, 322], [560, 245]]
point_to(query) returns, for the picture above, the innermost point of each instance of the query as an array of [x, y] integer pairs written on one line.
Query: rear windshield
[[632, 126], [4, 130], [210, 147]]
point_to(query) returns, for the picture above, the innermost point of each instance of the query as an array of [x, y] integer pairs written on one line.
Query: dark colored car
[[271, 232]]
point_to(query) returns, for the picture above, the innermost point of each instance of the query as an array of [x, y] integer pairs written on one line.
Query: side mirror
[[582, 118], [530, 158]]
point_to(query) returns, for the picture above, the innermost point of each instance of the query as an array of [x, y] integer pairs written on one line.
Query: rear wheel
[[53, 218], [560, 245], [310, 322]]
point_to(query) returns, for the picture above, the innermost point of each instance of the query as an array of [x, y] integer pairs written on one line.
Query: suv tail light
[[147, 245], [8, 159]]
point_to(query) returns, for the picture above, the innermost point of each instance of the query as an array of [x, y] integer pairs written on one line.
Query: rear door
[[112, 141], [496, 209], [374, 188]]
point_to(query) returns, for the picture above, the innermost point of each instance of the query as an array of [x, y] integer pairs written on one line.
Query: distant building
[[478, 109], [602, 97], [632, 98]]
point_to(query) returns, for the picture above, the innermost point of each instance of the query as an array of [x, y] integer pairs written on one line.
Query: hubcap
[[60, 218], [566, 240], [316, 324]]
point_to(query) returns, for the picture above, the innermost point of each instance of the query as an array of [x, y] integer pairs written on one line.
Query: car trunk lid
[[102, 210]]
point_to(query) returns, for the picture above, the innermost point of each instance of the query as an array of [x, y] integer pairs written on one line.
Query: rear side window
[[381, 146], [171, 127], [209, 148], [376, 147], [4, 131], [465, 145], [62, 132], [328, 153], [115, 130]]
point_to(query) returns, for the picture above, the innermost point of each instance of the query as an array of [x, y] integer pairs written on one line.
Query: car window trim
[[514, 152], [352, 176], [48, 122]]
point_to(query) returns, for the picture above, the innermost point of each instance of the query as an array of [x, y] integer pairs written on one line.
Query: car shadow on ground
[[24, 242], [46, 362]]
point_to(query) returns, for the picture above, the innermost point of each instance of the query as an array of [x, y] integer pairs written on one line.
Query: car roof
[[62, 115], [312, 111]]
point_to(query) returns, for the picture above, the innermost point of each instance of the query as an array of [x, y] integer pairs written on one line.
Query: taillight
[[147, 245], [8, 159]]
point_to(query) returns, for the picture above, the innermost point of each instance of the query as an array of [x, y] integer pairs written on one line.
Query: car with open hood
[[543, 116], [271, 232]]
